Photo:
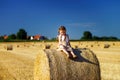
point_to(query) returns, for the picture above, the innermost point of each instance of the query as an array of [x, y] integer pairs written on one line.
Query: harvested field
[[18, 63], [15, 67]]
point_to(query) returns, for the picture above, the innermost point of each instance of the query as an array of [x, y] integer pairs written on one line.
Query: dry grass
[[15, 67], [18, 64], [109, 62]]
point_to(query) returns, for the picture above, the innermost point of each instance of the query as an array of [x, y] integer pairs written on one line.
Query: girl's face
[[62, 32]]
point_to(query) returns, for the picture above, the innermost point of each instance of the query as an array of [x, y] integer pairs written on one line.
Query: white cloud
[[82, 24]]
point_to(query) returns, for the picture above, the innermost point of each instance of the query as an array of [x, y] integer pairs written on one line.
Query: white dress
[[64, 42]]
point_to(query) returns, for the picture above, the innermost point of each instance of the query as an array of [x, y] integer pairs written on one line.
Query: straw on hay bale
[[9, 47], [54, 65]]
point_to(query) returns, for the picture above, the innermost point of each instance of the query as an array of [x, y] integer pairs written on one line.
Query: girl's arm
[[68, 41], [59, 39]]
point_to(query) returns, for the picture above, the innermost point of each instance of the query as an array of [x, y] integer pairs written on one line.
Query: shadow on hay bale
[[53, 65]]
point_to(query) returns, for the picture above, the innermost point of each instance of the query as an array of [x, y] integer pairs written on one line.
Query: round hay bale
[[47, 46], [91, 45], [54, 65], [9, 47], [113, 44], [106, 45], [18, 46], [98, 45], [76, 47]]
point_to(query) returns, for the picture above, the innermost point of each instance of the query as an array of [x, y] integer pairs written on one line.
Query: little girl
[[64, 43]]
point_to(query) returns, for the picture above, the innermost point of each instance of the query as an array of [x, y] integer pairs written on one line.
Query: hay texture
[[51, 64]]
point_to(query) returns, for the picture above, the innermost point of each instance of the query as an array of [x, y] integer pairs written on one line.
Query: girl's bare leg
[[74, 56], [65, 51]]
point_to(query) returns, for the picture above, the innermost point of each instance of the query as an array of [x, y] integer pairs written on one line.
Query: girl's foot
[[74, 56]]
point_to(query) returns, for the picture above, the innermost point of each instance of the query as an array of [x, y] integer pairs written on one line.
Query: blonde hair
[[61, 28]]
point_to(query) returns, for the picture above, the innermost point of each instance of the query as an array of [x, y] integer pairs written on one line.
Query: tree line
[[20, 35], [87, 35]]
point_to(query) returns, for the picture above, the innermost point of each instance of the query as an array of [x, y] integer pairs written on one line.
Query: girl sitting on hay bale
[[64, 44]]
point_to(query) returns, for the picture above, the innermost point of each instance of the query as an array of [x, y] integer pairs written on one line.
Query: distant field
[[109, 62], [18, 64]]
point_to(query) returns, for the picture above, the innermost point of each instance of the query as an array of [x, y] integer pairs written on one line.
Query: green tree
[[1, 37], [104, 38], [53, 39], [113, 38], [87, 35], [96, 38], [12, 36], [21, 34]]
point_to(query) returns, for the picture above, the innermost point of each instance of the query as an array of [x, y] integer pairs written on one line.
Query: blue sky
[[101, 17]]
